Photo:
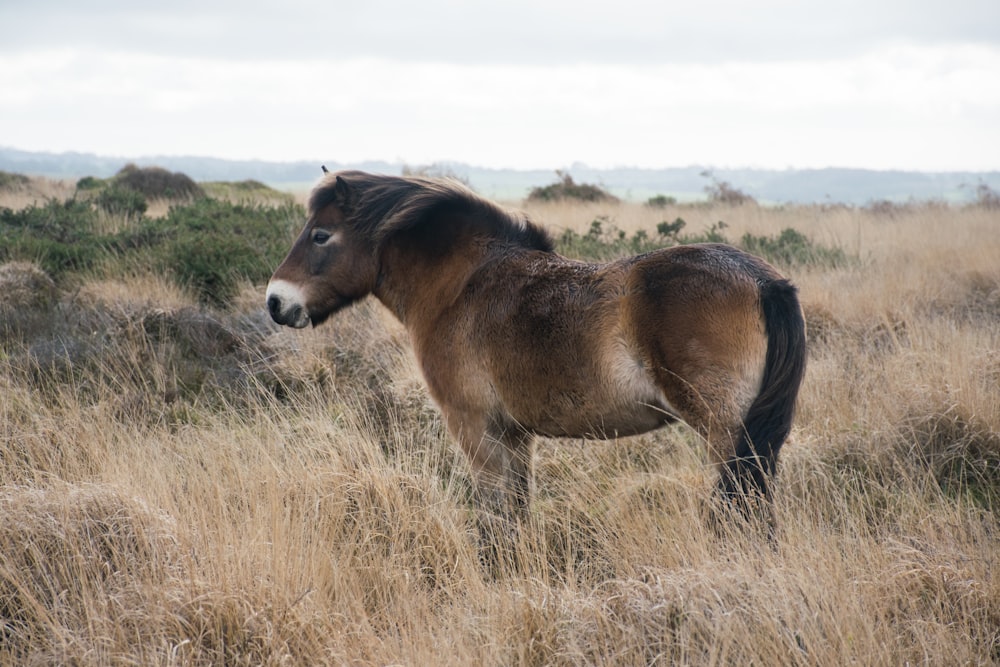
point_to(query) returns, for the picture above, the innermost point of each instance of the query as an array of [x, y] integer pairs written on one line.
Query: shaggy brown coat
[[515, 340]]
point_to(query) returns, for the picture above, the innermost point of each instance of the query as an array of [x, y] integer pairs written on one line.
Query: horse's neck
[[417, 286]]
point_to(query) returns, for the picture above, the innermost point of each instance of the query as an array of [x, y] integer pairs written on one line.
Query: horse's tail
[[769, 418]]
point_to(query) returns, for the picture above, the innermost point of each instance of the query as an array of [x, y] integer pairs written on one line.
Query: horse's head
[[331, 264]]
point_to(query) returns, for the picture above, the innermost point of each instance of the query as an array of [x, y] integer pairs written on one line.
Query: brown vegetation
[[181, 485], [157, 183], [566, 189]]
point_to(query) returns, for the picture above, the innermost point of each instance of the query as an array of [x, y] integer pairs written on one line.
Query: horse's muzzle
[[286, 311]]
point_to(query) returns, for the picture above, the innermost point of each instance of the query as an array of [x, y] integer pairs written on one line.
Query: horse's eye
[[320, 237]]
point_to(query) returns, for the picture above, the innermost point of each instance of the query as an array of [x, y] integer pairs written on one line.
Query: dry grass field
[[183, 484]]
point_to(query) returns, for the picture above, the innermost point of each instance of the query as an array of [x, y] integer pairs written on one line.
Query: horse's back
[[694, 290], [700, 265], [585, 349]]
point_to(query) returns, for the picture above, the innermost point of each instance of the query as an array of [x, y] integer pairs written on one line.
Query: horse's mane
[[383, 206]]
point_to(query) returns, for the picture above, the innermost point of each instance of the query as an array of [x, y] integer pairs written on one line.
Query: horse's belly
[[607, 407], [617, 398]]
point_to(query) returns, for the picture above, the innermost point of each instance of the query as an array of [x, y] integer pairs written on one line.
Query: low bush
[[722, 192], [210, 245], [157, 183], [90, 183], [711, 235], [59, 236], [567, 188], [793, 248], [661, 201], [604, 242], [125, 202]]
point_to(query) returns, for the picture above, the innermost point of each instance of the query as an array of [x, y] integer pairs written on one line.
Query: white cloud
[[898, 106]]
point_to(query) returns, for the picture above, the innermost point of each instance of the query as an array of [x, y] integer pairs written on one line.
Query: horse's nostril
[[274, 306]]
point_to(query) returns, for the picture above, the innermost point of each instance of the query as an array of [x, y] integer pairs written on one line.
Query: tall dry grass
[[185, 486], [22, 191]]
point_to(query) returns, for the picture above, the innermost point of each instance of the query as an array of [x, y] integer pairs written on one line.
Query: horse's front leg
[[499, 454], [501, 464], [500, 460]]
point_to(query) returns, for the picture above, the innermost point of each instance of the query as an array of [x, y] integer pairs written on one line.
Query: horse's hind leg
[[735, 503], [742, 491], [714, 405]]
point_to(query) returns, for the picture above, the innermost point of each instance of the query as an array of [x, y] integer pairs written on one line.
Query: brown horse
[[515, 340]]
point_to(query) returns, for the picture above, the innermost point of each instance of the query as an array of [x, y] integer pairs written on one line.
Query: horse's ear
[[325, 170], [343, 192]]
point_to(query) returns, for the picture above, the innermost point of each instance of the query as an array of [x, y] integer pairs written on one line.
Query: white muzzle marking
[[287, 304]]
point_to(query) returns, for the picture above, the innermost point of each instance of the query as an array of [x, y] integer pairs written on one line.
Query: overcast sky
[[894, 84]]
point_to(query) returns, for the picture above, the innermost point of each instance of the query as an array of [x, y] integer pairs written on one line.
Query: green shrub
[[59, 236], [711, 235], [603, 242], [90, 183], [567, 188], [210, 245], [671, 230], [207, 245], [120, 201], [661, 201], [792, 248]]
